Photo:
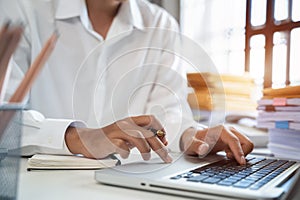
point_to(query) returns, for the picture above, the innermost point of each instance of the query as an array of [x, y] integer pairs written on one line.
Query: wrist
[[72, 140]]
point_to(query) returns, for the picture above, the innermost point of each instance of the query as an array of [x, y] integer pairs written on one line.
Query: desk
[[74, 184]]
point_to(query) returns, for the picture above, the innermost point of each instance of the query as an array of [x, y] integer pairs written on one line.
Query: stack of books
[[279, 112], [215, 91]]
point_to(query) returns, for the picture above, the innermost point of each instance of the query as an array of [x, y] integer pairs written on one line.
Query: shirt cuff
[[55, 130], [47, 136]]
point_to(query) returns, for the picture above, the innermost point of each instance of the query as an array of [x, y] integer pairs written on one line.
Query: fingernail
[[243, 160], [169, 159], [146, 156], [202, 149]]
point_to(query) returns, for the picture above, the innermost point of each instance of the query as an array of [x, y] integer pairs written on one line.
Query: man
[[101, 74]]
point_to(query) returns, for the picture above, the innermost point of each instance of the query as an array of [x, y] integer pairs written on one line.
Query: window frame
[[268, 29]]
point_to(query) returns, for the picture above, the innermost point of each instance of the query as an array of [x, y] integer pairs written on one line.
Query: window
[[258, 36], [279, 24], [219, 27]]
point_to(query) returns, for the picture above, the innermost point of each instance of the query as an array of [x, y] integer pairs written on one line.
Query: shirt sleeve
[[42, 135], [39, 134]]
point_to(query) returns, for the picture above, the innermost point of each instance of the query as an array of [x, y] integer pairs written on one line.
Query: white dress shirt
[[91, 81]]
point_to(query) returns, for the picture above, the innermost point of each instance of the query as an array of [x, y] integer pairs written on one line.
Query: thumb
[[203, 149], [198, 147]]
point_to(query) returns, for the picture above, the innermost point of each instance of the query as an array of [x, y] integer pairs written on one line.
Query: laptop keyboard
[[256, 173]]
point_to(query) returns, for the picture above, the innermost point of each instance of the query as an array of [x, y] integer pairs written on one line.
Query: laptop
[[213, 177]]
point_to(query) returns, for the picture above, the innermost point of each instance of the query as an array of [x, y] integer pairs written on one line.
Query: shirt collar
[[66, 9], [129, 12]]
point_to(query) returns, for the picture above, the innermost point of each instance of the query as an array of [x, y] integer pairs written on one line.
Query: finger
[[237, 151], [163, 140], [135, 139], [160, 149], [162, 136], [229, 153], [234, 144], [121, 148], [246, 143], [156, 144], [130, 145], [135, 133], [147, 121], [141, 124]]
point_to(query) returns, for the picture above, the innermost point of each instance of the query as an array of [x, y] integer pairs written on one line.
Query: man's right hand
[[119, 137]]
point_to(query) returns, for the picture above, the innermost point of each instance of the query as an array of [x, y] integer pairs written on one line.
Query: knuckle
[[137, 134], [251, 145], [147, 149], [220, 126], [122, 124], [119, 143], [152, 119], [132, 133]]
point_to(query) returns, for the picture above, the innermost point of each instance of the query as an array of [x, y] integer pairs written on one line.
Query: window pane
[[296, 10], [218, 26], [258, 12], [236, 53], [295, 58], [237, 62], [281, 10], [257, 57], [279, 60]]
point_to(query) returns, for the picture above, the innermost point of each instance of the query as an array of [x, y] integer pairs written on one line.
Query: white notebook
[[44, 161]]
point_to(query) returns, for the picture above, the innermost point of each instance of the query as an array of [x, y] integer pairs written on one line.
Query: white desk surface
[[73, 185], [80, 184]]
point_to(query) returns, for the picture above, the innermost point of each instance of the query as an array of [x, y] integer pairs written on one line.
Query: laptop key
[[243, 184], [225, 183], [221, 176], [198, 178], [211, 180], [256, 186], [231, 180]]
